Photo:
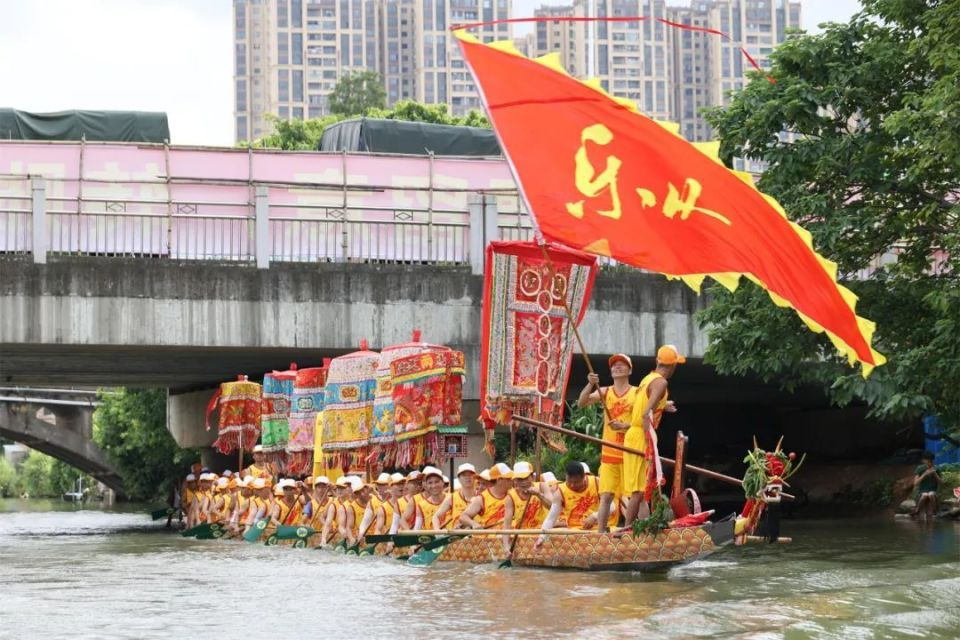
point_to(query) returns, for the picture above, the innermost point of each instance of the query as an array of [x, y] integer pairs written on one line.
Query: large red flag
[[599, 176]]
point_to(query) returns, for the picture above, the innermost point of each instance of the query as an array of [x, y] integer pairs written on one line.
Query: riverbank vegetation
[[39, 476], [130, 425]]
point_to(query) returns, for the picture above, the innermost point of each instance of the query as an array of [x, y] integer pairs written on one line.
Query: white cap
[[548, 477], [383, 478], [287, 482], [446, 480], [522, 470], [586, 468], [356, 483], [208, 476], [485, 474], [466, 467], [500, 470], [227, 473], [343, 481], [397, 478], [258, 449], [414, 475], [243, 482], [431, 471], [259, 483], [321, 480], [191, 477], [223, 482], [456, 485]]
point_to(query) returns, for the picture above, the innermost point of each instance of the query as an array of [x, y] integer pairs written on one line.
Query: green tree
[[305, 134], [874, 167], [9, 481], [357, 93], [130, 425], [296, 135]]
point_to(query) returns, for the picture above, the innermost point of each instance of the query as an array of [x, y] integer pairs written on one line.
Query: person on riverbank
[[640, 473], [926, 481], [617, 400]]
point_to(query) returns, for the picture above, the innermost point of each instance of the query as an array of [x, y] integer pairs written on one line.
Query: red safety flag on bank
[[599, 176]]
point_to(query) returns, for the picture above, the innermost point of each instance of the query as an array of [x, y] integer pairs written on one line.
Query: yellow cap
[[668, 354]]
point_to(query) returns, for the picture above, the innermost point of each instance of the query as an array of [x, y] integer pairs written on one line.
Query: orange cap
[[668, 354], [620, 357]]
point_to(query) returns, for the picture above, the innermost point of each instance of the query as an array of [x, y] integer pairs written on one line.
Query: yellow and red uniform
[[578, 505], [493, 510], [618, 408], [636, 468], [528, 514], [426, 509]]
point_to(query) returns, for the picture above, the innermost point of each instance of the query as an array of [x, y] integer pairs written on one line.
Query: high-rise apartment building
[[567, 39], [289, 54]]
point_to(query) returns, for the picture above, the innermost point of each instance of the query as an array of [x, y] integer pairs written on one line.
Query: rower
[[639, 475], [375, 513], [456, 503], [319, 498], [260, 502], [260, 467], [528, 506], [189, 496], [288, 507], [617, 400], [483, 481], [428, 502], [204, 497], [335, 517], [488, 508], [579, 497], [357, 507]]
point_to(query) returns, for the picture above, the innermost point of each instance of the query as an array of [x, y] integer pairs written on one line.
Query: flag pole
[[573, 323]]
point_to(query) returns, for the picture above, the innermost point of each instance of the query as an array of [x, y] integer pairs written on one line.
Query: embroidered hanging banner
[[348, 408], [275, 411], [239, 420], [308, 398], [527, 340], [427, 394]]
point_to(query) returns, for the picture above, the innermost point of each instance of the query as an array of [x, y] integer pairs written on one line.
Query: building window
[[296, 48], [298, 86]]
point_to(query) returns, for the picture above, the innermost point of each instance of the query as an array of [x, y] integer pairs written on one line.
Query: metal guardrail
[[225, 230]]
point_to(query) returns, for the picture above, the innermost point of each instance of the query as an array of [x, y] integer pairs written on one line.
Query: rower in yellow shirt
[[448, 515], [618, 401], [528, 507], [260, 467], [579, 497], [639, 472], [488, 509]]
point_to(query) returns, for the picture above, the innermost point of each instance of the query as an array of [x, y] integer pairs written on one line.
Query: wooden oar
[[576, 434], [195, 531]]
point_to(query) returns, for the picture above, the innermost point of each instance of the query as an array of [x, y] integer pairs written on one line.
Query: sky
[[160, 55]]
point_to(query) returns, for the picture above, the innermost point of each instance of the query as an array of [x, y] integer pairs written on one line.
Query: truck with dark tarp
[[376, 135], [92, 126]]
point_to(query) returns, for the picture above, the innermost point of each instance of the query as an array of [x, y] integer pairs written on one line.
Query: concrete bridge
[[159, 266], [58, 423]]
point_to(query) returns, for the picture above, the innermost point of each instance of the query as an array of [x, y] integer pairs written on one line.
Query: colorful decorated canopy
[[599, 176]]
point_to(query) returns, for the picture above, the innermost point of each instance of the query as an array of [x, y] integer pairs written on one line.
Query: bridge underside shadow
[[19, 422]]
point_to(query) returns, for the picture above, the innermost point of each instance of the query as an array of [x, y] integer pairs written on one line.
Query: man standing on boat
[[618, 400], [641, 474]]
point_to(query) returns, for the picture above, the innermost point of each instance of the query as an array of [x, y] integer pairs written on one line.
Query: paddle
[[162, 513], [287, 532], [401, 540], [506, 564], [253, 533]]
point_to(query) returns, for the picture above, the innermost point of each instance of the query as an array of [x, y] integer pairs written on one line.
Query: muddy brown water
[[89, 573]]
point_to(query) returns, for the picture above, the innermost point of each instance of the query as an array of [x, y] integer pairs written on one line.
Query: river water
[[75, 573]]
